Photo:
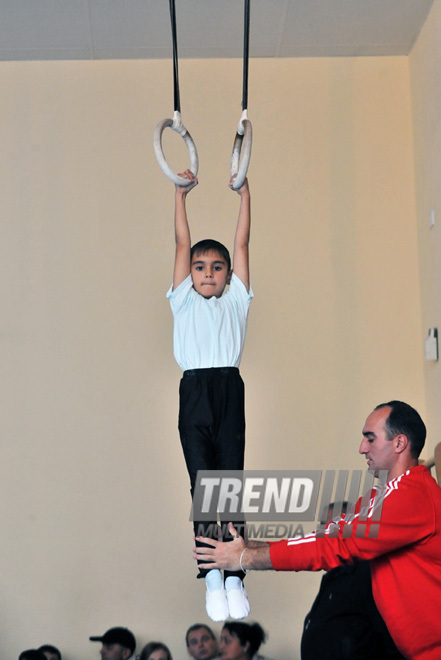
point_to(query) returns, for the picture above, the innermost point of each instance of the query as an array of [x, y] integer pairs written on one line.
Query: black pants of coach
[[212, 431], [344, 622]]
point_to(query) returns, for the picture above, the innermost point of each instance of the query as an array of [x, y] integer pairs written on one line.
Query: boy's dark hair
[[208, 244], [197, 626], [253, 633], [406, 420]]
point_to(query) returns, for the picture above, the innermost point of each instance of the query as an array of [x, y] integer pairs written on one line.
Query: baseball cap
[[121, 636]]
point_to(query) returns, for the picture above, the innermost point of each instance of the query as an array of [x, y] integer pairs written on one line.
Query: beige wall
[[425, 77], [95, 498]]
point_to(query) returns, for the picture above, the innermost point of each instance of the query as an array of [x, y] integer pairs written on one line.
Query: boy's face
[[210, 274]]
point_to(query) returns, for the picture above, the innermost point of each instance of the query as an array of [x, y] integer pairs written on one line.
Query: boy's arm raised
[[182, 231], [242, 237]]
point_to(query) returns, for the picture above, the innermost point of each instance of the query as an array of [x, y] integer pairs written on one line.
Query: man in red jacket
[[405, 555]]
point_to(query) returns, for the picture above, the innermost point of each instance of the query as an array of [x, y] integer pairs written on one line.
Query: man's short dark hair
[[50, 649], [208, 245], [197, 626], [406, 420]]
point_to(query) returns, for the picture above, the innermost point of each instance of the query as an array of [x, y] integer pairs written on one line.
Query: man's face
[[377, 449], [50, 656], [210, 274], [201, 645], [114, 652]]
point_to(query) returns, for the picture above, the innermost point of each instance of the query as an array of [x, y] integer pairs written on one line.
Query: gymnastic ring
[[240, 157], [177, 126]]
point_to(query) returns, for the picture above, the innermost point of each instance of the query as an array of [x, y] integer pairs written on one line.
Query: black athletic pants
[[212, 431], [344, 622]]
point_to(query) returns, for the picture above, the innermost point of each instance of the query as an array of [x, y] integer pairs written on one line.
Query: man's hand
[[221, 555], [226, 555]]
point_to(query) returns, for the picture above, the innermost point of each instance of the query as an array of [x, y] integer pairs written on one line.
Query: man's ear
[[126, 654], [229, 276], [401, 443]]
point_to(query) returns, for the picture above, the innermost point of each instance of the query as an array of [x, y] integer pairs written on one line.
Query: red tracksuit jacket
[[405, 559]]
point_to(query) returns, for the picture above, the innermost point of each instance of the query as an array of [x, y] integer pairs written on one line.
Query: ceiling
[[140, 29]]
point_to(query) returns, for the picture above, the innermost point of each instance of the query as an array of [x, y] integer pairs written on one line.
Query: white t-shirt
[[209, 332]]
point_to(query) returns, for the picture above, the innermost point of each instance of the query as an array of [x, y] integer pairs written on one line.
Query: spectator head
[[117, 644], [240, 641], [201, 642], [50, 652], [31, 654], [155, 651]]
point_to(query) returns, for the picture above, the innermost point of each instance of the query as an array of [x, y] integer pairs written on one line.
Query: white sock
[[214, 580], [238, 604], [233, 582]]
